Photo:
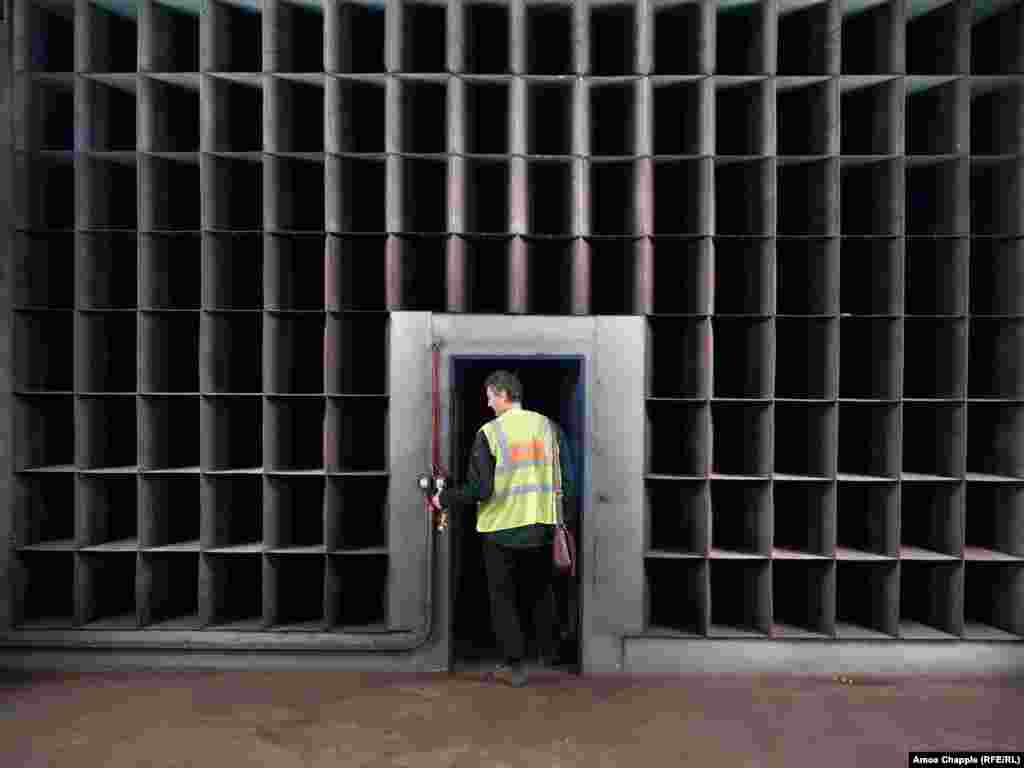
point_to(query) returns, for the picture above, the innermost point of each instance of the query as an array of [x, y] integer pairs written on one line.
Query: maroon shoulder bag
[[563, 550]]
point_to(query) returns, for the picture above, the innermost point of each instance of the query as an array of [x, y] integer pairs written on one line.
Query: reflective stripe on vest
[[521, 489], [524, 477], [512, 456]]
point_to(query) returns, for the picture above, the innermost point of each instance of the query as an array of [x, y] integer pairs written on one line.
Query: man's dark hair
[[504, 381]]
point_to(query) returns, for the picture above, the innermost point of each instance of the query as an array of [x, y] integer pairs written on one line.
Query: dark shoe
[[510, 674]]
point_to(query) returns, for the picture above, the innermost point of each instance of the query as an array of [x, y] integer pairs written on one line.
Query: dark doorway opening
[[554, 386]]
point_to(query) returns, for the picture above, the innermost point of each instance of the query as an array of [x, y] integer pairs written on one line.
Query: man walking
[[514, 478]]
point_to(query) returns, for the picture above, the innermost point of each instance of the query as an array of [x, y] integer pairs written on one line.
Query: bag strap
[[557, 473]]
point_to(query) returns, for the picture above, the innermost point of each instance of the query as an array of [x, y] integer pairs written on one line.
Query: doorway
[[554, 386]]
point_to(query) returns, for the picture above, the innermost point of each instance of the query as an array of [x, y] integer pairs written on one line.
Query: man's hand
[[440, 516]]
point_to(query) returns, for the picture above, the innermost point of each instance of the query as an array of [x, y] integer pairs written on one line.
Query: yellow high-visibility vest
[[525, 477]]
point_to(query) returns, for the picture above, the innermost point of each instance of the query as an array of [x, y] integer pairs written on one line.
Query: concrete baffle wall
[[214, 210]]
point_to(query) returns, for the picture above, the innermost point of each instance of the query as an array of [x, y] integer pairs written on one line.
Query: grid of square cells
[[817, 206]]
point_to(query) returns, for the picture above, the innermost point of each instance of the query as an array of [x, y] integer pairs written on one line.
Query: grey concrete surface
[[282, 719]]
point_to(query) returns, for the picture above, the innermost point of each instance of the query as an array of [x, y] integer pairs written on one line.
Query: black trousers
[[519, 581]]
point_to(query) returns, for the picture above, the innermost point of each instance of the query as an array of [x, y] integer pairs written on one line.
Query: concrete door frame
[[613, 354]]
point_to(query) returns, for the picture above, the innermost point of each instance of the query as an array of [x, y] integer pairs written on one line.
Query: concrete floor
[[283, 719]]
